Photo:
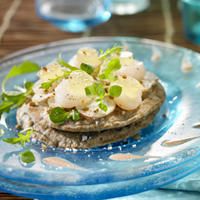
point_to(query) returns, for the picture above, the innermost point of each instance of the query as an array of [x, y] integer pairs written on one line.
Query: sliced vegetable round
[[71, 91], [131, 95], [96, 108]]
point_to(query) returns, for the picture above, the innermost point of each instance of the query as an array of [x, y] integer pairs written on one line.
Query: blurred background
[[21, 26], [24, 23]]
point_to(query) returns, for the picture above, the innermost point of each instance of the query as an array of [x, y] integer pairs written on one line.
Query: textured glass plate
[[166, 150]]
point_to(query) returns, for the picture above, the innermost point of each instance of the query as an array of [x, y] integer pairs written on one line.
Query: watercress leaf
[[90, 90], [58, 115], [62, 62], [24, 68], [96, 89], [115, 91], [108, 52], [99, 89], [17, 99], [5, 106], [87, 68], [25, 138], [103, 106], [27, 156], [12, 140], [102, 76], [28, 85], [113, 65], [46, 85], [12, 96]]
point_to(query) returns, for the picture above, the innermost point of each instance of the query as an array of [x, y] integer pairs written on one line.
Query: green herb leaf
[[96, 89], [58, 115], [21, 139], [48, 84], [99, 88], [5, 106], [87, 68], [115, 91], [89, 90], [14, 99], [27, 156], [25, 138], [113, 65], [103, 106], [110, 51], [28, 85], [65, 64], [25, 68], [75, 115], [12, 140]]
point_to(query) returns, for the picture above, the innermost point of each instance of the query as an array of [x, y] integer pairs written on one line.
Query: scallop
[[86, 55], [39, 94], [71, 91], [130, 67], [93, 110], [131, 96], [51, 71]]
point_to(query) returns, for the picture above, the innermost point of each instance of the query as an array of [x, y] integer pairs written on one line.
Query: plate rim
[[60, 43], [91, 39]]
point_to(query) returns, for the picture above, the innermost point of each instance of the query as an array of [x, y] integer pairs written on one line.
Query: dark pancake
[[92, 133]]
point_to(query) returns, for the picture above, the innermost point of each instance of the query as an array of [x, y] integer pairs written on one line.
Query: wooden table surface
[[21, 28]]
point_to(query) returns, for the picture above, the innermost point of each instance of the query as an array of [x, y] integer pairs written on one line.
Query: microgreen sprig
[[22, 138], [97, 89], [26, 156], [48, 84], [115, 91], [110, 51], [112, 66], [63, 63], [26, 67], [12, 99], [87, 68], [58, 115]]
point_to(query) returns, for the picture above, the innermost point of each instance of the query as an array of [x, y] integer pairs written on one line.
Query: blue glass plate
[[168, 149]]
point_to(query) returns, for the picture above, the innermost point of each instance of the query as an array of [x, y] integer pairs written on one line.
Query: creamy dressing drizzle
[[60, 162]]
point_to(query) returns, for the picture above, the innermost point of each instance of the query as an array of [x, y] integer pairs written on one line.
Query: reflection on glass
[[127, 7], [74, 15]]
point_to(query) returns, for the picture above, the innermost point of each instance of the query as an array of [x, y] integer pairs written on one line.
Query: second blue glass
[[191, 19], [74, 15]]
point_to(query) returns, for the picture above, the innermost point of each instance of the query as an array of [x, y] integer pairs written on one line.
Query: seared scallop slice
[[130, 67], [51, 71], [39, 94], [94, 111], [88, 56], [71, 91], [131, 95]]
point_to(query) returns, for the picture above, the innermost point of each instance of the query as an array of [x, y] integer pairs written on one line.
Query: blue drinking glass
[[74, 15], [191, 19]]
